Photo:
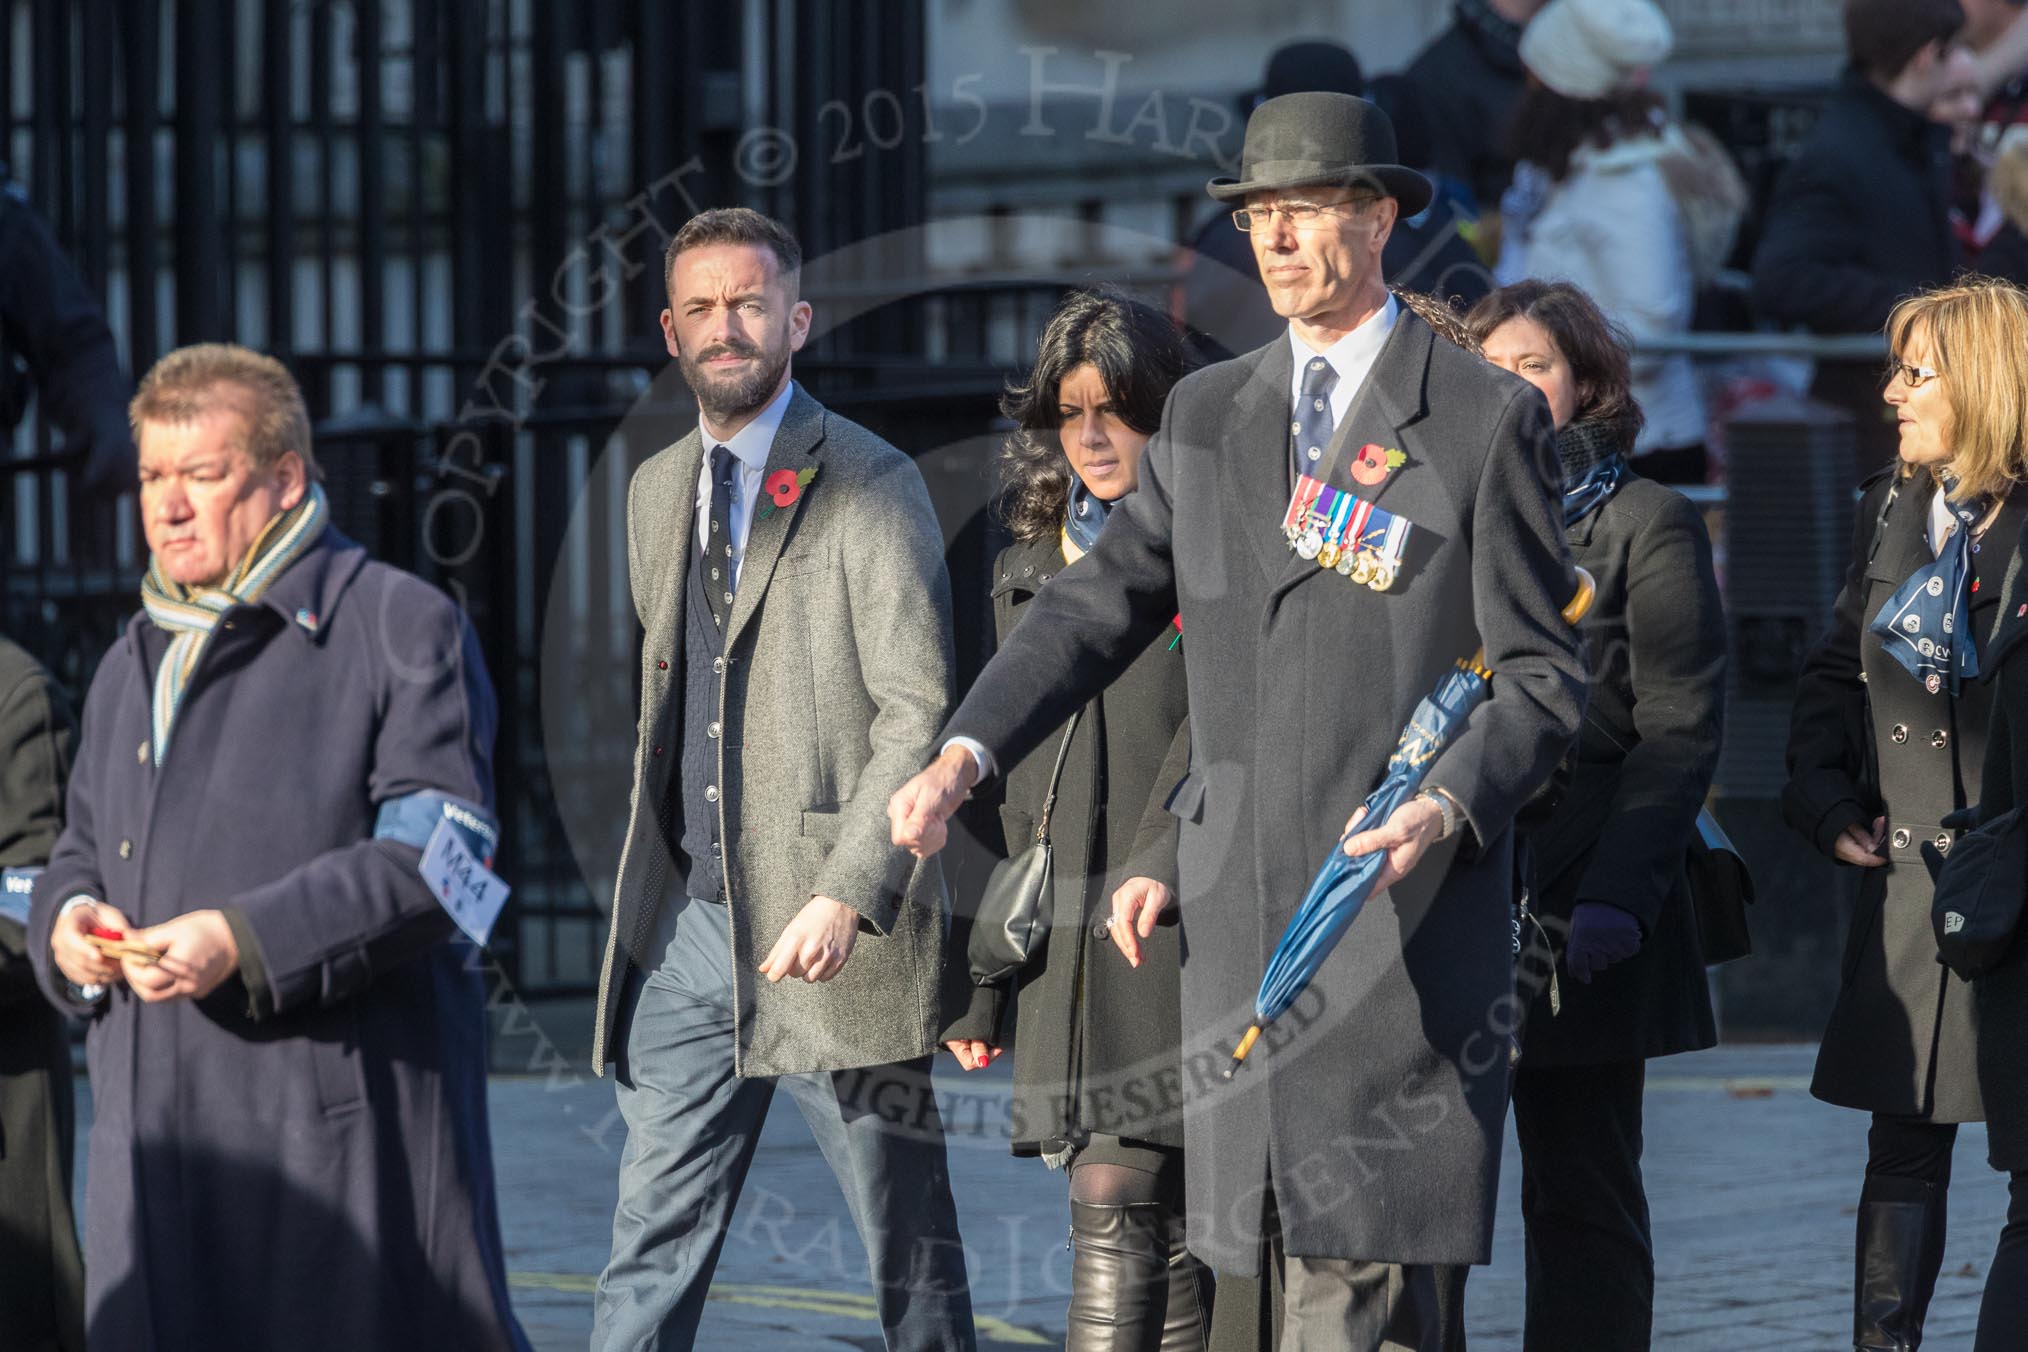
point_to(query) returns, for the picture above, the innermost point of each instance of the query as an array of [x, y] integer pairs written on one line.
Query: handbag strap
[[1055, 778]]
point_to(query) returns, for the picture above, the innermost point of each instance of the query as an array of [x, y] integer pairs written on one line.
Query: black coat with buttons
[[2000, 996], [1867, 740], [1095, 1041]]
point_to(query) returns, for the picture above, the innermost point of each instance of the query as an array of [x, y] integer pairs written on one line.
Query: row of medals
[[1361, 565]]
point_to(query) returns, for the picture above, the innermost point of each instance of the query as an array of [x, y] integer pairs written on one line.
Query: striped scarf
[[191, 612]]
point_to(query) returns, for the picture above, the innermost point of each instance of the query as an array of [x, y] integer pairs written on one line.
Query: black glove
[[1601, 934]]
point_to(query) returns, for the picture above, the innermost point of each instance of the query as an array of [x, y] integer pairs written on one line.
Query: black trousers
[[1590, 1258], [2003, 1314]]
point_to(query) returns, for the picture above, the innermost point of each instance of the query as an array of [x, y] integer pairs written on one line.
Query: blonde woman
[[1889, 737]]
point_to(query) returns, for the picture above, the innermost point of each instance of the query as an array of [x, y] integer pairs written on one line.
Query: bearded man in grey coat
[[1355, 1167], [788, 569]]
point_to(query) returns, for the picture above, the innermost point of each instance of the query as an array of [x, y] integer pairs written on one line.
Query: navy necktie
[[1312, 425], [718, 576]]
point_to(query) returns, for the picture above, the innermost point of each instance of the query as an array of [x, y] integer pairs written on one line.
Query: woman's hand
[[1137, 905], [1861, 847], [973, 1053]]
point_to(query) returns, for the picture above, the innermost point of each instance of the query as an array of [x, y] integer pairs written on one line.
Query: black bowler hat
[[1313, 139]]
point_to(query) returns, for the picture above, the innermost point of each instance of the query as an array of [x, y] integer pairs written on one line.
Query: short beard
[[726, 399]]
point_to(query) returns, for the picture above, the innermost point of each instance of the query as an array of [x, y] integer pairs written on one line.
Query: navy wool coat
[[301, 1158], [1374, 1108]]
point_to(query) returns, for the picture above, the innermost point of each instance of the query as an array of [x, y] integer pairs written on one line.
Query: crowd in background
[[1555, 157]]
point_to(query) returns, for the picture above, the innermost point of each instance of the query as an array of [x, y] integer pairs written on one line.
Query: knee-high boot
[[1133, 1285], [1900, 1247]]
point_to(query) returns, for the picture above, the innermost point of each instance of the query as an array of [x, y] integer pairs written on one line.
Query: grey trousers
[[691, 1130], [1337, 1304]]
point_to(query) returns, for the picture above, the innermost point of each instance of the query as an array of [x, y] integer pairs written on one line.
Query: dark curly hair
[[1139, 353], [1546, 128], [1595, 347]]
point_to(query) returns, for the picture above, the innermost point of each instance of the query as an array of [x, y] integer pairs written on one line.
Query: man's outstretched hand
[[920, 808]]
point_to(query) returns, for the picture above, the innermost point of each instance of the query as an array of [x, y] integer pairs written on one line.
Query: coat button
[[658, 750], [1901, 838], [126, 849], [1862, 678], [718, 666], [1943, 842], [661, 664], [1939, 739], [141, 753], [710, 793], [1900, 733], [1102, 929], [711, 731], [1028, 570]]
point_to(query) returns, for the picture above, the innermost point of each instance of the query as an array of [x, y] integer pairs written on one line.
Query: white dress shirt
[[1351, 357], [749, 446]]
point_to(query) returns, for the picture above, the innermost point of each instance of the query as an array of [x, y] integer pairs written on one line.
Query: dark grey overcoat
[[1378, 1100], [1095, 1040], [300, 1159], [1638, 775], [1866, 739], [41, 1272]]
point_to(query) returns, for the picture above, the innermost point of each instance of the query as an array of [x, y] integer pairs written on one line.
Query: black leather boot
[[1900, 1247], [1187, 1327], [1133, 1286]]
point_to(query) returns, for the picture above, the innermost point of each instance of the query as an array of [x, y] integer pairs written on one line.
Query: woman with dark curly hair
[[1097, 1034], [1609, 838]]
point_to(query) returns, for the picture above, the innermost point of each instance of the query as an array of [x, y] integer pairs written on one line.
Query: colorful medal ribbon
[[1345, 532]]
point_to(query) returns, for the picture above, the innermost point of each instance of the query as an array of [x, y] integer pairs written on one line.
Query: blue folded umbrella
[[1342, 885]]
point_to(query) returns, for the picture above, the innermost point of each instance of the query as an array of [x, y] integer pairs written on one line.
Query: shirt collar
[[1353, 355], [750, 444]]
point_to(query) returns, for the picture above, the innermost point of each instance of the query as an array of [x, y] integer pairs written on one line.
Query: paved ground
[[1751, 1181]]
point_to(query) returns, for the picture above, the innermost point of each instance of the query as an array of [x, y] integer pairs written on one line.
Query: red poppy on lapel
[[1374, 463], [783, 487]]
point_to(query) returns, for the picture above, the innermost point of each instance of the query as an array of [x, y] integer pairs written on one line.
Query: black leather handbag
[[1012, 923], [1980, 887]]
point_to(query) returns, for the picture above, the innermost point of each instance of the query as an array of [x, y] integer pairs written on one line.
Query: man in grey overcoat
[[788, 570], [1357, 1161]]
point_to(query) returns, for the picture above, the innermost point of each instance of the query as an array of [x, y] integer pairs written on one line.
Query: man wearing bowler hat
[[1338, 517]]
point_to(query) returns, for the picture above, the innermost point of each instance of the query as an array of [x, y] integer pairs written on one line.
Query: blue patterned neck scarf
[[1926, 624], [1588, 491], [1086, 515]]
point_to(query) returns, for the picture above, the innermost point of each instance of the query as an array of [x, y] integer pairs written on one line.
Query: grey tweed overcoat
[[837, 675]]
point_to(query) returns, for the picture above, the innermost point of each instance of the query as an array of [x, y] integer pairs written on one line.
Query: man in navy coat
[[289, 1146]]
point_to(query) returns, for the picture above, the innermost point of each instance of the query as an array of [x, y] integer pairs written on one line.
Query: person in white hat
[[1618, 198]]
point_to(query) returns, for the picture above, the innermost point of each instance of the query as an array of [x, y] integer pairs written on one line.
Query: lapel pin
[[783, 488], [1374, 463], [307, 619]]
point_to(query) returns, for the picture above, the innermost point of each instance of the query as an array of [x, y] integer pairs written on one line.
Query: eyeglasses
[[1915, 376], [1299, 215]]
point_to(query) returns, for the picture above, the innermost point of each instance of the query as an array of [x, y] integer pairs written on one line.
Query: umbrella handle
[[1245, 1046], [1575, 609], [1580, 601]]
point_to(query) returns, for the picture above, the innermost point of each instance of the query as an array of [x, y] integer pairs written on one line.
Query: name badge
[[463, 886]]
